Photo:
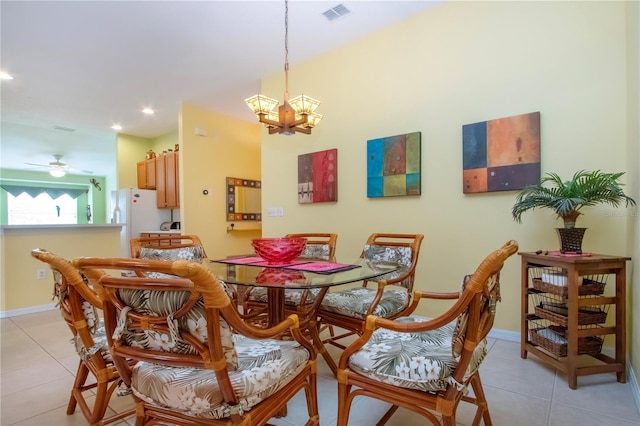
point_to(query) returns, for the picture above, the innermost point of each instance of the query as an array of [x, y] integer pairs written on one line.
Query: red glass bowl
[[279, 250], [279, 276]]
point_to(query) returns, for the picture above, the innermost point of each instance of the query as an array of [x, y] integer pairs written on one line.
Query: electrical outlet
[[41, 274]]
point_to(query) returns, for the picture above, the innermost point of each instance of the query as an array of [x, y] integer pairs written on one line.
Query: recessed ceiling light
[[116, 127], [148, 111], [5, 76]]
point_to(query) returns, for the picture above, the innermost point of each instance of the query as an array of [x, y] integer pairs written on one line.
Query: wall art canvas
[[393, 166], [318, 177], [501, 154]]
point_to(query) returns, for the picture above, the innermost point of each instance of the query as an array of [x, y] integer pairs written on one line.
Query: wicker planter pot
[[571, 239]]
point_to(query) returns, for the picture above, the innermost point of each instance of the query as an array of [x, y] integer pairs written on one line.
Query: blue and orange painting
[[501, 154], [393, 166]]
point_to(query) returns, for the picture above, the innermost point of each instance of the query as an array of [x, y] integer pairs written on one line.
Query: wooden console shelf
[[564, 311]]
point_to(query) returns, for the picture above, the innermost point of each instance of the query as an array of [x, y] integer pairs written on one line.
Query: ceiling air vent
[[336, 12], [64, 129]]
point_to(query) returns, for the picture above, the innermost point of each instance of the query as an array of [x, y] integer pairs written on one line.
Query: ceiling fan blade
[[89, 172], [60, 165]]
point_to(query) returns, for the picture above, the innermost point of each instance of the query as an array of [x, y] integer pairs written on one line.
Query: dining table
[[245, 272]]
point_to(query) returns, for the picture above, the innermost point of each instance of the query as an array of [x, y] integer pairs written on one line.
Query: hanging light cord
[[286, 50]]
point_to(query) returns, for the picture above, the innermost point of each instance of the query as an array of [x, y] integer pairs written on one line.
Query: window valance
[[34, 191]]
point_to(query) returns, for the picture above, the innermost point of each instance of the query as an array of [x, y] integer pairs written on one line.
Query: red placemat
[[266, 264], [323, 267], [257, 261]]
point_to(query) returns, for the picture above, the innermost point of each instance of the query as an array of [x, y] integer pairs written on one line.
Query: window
[[42, 209]]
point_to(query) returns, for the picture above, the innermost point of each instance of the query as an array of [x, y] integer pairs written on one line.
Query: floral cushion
[[390, 255], [355, 302], [99, 343], [421, 361], [265, 366], [292, 296], [316, 251], [95, 324], [192, 253], [165, 304], [460, 330]]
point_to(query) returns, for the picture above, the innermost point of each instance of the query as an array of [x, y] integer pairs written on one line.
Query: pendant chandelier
[[294, 115]]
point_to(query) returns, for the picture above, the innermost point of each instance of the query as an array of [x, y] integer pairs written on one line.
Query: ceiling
[[81, 66]]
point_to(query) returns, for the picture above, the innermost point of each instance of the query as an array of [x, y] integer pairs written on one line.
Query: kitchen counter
[[5, 229]]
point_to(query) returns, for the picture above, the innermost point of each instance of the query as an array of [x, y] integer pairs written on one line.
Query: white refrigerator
[[137, 210]]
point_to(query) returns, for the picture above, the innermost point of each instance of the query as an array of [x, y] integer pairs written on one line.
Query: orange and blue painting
[[501, 154], [393, 166], [318, 177]]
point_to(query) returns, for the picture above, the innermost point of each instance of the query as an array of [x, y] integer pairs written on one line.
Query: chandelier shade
[[295, 115], [261, 104]]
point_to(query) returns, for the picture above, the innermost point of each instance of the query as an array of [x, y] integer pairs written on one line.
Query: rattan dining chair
[[320, 245], [79, 306], [186, 247], [387, 297], [198, 363], [426, 365]]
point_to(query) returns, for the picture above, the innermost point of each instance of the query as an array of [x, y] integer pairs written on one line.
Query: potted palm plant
[[567, 198]]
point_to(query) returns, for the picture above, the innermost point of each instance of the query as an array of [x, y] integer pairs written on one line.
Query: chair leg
[[81, 377], [481, 401], [384, 419], [344, 404], [101, 403]]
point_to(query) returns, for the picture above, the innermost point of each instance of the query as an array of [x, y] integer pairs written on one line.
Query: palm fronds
[[566, 198]]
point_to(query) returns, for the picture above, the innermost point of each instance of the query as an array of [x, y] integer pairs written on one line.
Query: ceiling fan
[[58, 168]]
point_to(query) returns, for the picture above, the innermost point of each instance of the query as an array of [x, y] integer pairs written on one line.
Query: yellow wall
[[460, 63], [165, 142], [633, 160], [230, 148], [131, 149], [21, 289]]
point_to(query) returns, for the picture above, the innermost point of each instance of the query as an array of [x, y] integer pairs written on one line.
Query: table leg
[[276, 314], [275, 299]]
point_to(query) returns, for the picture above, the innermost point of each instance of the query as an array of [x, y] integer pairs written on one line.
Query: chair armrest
[[291, 324]]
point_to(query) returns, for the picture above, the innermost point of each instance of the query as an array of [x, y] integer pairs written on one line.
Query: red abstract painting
[[318, 177]]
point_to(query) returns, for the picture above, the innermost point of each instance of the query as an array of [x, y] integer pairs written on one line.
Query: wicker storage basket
[[588, 287], [586, 345], [585, 316]]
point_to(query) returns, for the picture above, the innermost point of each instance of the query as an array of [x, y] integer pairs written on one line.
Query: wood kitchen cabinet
[[147, 174], [565, 312], [167, 180]]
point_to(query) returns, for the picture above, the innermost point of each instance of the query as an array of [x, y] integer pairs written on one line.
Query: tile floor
[[38, 364]]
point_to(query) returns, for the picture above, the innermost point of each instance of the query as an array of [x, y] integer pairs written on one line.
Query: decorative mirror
[[244, 199]]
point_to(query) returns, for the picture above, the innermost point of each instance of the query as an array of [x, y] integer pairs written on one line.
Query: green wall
[[96, 198]]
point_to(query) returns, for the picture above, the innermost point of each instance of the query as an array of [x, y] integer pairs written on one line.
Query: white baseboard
[[25, 311], [635, 389], [509, 336]]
